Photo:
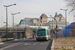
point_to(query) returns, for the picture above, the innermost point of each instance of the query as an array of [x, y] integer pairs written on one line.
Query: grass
[[62, 49], [65, 42]]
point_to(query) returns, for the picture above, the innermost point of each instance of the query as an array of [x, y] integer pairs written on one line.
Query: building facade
[[59, 17], [60, 24], [43, 19], [28, 22]]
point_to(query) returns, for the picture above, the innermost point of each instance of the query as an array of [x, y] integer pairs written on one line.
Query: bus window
[[41, 30], [48, 32]]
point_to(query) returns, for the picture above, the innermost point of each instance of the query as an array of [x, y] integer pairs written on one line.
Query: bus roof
[[42, 28]]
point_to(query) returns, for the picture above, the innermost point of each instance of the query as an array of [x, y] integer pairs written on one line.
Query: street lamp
[[56, 28], [13, 18], [65, 19], [25, 28], [52, 21], [7, 19], [13, 21]]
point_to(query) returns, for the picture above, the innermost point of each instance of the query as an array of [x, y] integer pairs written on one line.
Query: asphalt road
[[31, 44]]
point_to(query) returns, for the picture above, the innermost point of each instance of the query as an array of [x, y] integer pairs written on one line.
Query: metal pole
[[7, 20], [56, 29], [17, 32], [25, 28], [12, 20], [6, 24], [13, 24], [52, 26], [66, 21]]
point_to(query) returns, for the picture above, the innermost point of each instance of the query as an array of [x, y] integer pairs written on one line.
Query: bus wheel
[[47, 39], [37, 40]]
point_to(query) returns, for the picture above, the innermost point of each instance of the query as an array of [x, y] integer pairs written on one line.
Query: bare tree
[[71, 3]]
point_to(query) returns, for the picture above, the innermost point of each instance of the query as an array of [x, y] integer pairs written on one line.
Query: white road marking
[[10, 46], [45, 43], [41, 44], [26, 44], [35, 43], [1, 49]]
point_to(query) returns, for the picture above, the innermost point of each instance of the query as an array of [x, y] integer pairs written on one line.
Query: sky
[[31, 9]]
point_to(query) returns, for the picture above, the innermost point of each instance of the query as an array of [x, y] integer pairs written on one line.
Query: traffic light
[[41, 17], [56, 26]]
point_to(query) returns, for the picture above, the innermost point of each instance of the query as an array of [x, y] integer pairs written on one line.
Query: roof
[[28, 21], [60, 15], [44, 15]]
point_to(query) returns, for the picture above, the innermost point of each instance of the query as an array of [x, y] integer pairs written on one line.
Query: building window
[[22, 22]]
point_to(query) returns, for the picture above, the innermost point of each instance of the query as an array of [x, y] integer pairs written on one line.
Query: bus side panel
[[46, 34], [36, 32]]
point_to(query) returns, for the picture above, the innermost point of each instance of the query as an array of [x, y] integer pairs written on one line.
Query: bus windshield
[[41, 32]]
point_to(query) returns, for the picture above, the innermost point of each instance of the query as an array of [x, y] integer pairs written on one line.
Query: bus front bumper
[[40, 38]]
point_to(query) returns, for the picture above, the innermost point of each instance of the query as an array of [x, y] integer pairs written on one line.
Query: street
[[30, 44]]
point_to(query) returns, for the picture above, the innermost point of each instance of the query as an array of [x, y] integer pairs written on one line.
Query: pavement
[[30, 44], [1, 43]]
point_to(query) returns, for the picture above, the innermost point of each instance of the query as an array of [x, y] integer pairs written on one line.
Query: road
[[31, 44]]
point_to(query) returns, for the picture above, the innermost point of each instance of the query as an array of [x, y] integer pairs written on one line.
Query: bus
[[43, 34]]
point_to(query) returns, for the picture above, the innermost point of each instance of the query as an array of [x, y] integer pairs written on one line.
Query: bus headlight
[[37, 37], [44, 37]]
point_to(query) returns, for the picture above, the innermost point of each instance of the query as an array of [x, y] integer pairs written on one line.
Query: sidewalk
[[1, 43], [63, 43], [49, 45]]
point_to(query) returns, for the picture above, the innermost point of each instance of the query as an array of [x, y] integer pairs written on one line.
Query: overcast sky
[[30, 9]]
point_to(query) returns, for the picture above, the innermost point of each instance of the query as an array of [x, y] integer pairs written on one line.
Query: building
[[43, 19], [28, 22], [60, 24], [62, 19], [36, 23], [59, 17], [59, 20]]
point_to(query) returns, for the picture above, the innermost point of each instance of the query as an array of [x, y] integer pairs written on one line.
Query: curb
[[7, 40], [52, 47], [1, 43], [49, 45]]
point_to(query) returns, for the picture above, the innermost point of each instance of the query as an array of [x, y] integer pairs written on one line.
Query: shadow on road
[[27, 40], [49, 45]]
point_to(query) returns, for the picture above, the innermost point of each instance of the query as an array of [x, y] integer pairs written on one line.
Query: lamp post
[[52, 20], [7, 19], [65, 19], [56, 28], [13, 18], [13, 21], [25, 28]]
